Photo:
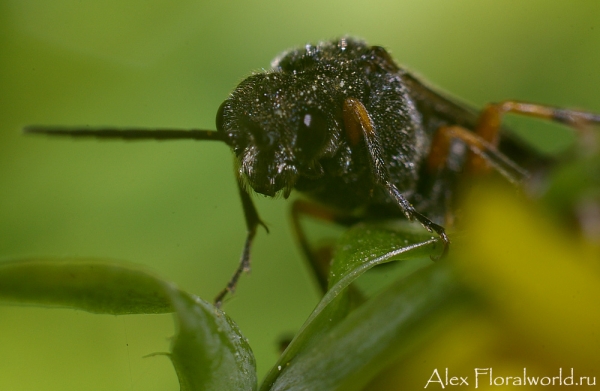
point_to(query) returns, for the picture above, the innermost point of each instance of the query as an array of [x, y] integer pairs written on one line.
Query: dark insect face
[[277, 131]]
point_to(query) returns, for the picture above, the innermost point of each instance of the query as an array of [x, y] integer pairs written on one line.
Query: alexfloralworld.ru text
[[486, 377]]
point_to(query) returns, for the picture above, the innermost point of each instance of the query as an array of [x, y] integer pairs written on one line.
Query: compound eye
[[312, 133], [263, 139], [219, 120]]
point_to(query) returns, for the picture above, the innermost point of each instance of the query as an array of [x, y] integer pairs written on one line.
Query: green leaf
[[382, 330], [366, 245], [209, 351], [360, 248], [95, 286]]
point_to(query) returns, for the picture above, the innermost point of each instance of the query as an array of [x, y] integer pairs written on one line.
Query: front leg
[[358, 123], [252, 222], [319, 265]]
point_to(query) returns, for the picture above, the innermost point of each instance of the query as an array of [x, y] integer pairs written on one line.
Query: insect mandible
[[357, 134]]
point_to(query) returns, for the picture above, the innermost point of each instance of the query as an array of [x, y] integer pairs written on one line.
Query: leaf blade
[[349, 354], [91, 285], [205, 332], [208, 351], [349, 263]]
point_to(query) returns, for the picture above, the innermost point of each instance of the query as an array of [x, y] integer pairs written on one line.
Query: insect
[[353, 131]]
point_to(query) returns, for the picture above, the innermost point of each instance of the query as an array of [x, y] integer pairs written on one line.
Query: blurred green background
[[173, 206]]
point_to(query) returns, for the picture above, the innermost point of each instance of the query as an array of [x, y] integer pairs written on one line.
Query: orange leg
[[478, 147], [490, 120], [360, 126]]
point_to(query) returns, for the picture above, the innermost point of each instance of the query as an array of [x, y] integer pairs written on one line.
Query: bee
[[357, 134]]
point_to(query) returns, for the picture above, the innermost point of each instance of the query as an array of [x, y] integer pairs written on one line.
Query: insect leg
[[317, 261], [252, 222], [440, 148], [490, 119], [358, 122]]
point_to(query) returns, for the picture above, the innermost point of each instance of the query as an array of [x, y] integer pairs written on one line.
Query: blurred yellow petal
[[536, 278], [536, 318]]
